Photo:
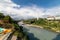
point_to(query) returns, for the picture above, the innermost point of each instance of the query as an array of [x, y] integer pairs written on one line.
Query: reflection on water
[[41, 34], [31, 35], [57, 37]]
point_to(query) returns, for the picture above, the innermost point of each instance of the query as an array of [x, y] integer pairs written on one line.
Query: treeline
[[7, 18], [35, 21], [47, 24], [8, 22]]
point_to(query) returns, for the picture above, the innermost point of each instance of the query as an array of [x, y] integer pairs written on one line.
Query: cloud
[[9, 8], [26, 12], [53, 11]]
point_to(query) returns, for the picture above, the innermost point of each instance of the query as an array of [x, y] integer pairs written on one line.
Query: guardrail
[[7, 35]]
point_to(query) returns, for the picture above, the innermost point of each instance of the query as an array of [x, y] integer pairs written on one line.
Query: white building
[[53, 18]]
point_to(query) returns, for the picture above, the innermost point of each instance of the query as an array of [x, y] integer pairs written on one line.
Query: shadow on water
[[57, 37], [25, 29], [30, 35]]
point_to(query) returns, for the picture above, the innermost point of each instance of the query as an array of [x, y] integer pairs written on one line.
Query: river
[[40, 34]]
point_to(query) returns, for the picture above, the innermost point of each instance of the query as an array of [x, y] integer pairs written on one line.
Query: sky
[[26, 9]]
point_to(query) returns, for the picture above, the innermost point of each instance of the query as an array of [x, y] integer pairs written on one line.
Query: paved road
[[14, 38]]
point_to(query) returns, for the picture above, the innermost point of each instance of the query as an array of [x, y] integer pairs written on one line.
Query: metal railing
[[7, 35]]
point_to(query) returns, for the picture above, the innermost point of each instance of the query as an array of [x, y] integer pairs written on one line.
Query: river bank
[[36, 33], [50, 29]]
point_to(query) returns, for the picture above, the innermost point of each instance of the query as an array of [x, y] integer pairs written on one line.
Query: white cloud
[[17, 12], [53, 11]]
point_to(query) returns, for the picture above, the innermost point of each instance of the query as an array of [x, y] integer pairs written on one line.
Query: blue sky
[[41, 3], [26, 9]]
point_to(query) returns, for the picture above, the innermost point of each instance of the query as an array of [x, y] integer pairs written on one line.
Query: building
[[53, 18]]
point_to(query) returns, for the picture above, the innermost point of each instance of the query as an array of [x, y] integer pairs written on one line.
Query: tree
[[6, 18], [1, 15]]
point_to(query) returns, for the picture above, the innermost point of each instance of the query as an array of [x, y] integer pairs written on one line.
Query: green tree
[[7, 18], [1, 15]]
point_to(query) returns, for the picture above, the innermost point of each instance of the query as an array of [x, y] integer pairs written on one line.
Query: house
[[50, 18], [53, 18]]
